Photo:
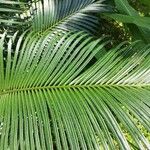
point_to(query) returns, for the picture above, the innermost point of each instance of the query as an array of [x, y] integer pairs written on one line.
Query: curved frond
[[67, 14], [49, 101]]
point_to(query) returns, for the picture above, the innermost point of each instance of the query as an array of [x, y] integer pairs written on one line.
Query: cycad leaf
[[67, 14], [48, 101]]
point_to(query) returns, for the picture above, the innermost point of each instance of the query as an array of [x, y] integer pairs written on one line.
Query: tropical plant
[[60, 85]]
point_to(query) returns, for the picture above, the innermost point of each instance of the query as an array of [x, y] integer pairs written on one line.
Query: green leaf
[[67, 14], [137, 20], [145, 2], [124, 8], [48, 101]]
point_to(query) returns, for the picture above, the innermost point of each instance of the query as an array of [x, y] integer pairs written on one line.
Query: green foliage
[[142, 6], [65, 86], [13, 15]]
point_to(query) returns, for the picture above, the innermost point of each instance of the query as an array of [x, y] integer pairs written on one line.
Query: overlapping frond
[[49, 101], [67, 14]]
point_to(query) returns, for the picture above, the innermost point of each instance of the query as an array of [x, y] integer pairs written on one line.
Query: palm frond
[[67, 14], [49, 101]]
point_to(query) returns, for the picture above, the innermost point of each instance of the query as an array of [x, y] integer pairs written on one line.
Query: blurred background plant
[[120, 31]]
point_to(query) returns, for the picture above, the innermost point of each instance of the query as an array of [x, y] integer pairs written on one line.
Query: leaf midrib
[[9, 91]]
